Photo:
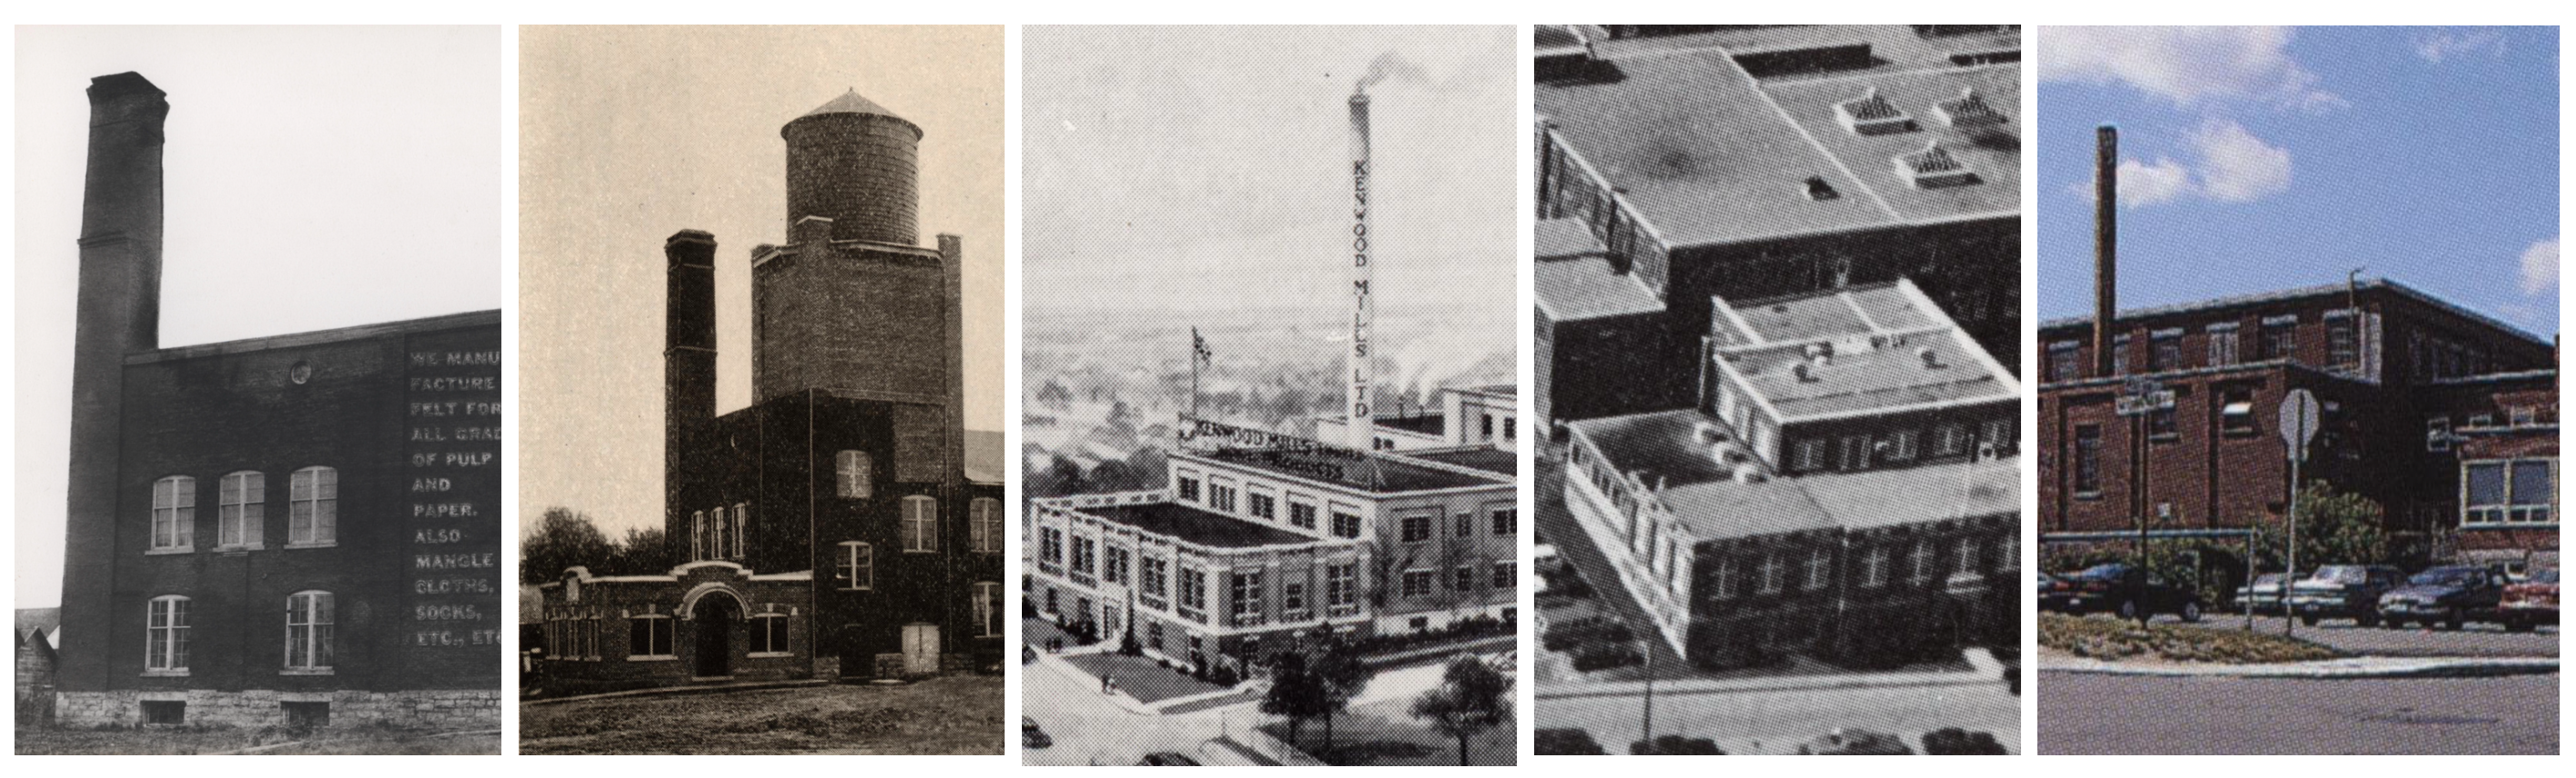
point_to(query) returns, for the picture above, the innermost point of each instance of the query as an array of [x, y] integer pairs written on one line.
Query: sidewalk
[[2354, 667]]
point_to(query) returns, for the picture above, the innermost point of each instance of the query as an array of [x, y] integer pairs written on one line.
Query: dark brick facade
[[2386, 361]]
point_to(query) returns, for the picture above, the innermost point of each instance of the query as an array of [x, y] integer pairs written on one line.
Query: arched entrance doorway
[[716, 618]]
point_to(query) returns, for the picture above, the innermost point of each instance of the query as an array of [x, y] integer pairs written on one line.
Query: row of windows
[[2520, 491], [1922, 560], [1220, 495], [312, 510], [1463, 578], [2276, 338], [310, 616], [1897, 447], [920, 530]]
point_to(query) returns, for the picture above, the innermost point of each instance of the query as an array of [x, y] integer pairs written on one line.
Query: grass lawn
[[216, 740], [1140, 678], [1382, 735], [948, 715], [2115, 639]]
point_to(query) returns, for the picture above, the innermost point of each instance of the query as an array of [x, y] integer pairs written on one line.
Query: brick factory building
[[295, 530], [1259, 536], [830, 529], [2416, 392], [1757, 162], [1846, 485]]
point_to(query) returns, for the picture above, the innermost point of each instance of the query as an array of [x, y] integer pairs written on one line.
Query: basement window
[[165, 712], [307, 715]]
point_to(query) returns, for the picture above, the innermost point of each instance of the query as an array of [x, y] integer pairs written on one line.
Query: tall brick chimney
[[2106, 244], [119, 313], [688, 360]]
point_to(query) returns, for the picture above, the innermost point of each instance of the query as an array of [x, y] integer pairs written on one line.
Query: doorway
[[920, 649], [716, 617]]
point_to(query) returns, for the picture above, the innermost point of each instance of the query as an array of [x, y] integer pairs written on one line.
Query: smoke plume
[[1393, 67]]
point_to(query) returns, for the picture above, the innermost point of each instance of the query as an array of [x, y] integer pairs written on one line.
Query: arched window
[[174, 513], [856, 567], [741, 528], [984, 517], [243, 506], [165, 647], [309, 617], [697, 535], [920, 524], [313, 507], [855, 477]]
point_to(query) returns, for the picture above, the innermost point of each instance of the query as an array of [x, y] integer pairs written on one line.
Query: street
[[1090, 730], [1775, 722], [2153, 715], [2341, 634]]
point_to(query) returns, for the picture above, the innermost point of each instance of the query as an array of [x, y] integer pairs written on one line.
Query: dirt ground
[[952, 715], [218, 740]]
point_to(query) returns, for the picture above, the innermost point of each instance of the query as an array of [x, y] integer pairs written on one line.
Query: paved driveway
[[2118, 714]]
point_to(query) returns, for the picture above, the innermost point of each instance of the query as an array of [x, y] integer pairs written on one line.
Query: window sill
[[305, 671], [324, 544], [768, 655], [2164, 438], [2088, 495], [238, 549], [653, 658], [2496, 525], [856, 589], [163, 551], [179, 673], [911, 551]]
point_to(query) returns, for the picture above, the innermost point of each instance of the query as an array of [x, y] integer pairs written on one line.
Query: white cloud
[[2440, 47], [2187, 65], [2540, 268], [2237, 167], [2228, 165]]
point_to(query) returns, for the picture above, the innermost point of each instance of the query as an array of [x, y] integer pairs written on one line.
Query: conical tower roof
[[851, 102]]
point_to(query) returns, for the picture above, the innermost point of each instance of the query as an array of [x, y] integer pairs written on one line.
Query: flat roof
[[2300, 293], [490, 318], [1182, 522], [1578, 288], [1354, 469], [1702, 494], [1879, 346], [1493, 460], [1710, 153]]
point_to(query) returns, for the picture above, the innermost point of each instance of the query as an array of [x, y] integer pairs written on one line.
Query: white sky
[[315, 177], [1203, 171], [634, 133]]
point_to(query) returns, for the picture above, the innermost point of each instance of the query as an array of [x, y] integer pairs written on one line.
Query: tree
[[1470, 699], [563, 539], [1295, 692], [1337, 666], [2337, 527], [1566, 742], [1677, 745], [641, 553]]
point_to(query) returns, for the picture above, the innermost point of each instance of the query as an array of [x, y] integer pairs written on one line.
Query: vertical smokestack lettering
[[1362, 424], [2106, 240]]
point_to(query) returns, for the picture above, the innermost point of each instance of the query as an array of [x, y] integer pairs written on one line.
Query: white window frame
[[855, 569], [1922, 559], [241, 510], [920, 524], [1505, 574], [853, 473], [741, 529], [1820, 569], [165, 635], [1504, 521], [313, 500], [310, 617], [658, 629], [1964, 555], [1904, 445], [1430, 583], [1408, 523], [1724, 578], [174, 515], [771, 635], [988, 608], [698, 535], [1873, 570], [1774, 575], [724, 532]]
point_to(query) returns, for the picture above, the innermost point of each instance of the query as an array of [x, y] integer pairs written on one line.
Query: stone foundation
[[438, 709]]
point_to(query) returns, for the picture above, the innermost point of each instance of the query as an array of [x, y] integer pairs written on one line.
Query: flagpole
[[1198, 346]]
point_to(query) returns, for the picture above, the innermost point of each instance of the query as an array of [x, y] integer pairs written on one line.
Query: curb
[[2329, 669]]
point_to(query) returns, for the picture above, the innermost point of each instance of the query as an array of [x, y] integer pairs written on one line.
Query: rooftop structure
[[1854, 351]]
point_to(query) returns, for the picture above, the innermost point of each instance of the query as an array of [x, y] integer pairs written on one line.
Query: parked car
[[2121, 589], [2262, 595], [2452, 595], [1031, 736], [1167, 759], [1854, 742], [2046, 583], [2344, 592], [2530, 603]]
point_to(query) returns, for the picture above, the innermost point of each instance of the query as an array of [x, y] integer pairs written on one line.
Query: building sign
[[1311, 458], [452, 500], [1356, 409]]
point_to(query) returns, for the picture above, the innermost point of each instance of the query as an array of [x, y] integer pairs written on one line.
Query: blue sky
[[2259, 158]]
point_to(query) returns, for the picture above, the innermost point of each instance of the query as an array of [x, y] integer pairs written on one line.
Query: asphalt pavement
[[2109, 714], [1090, 730], [2343, 635]]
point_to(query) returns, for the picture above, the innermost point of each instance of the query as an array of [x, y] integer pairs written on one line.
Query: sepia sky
[[315, 177], [1200, 174], [635, 133]]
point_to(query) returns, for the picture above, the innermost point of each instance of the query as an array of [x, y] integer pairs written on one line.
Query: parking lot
[[2477, 639]]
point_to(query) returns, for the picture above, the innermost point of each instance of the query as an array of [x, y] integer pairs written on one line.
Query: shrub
[[1956, 741], [1566, 742], [1678, 745], [1224, 675], [1603, 656]]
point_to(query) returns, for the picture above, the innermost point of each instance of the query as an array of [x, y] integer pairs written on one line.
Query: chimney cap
[[690, 236], [121, 84]]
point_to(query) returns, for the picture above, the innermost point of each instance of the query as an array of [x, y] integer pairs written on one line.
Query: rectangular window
[[1724, 578], [2065, 360], [1341, 589], [1965, 555], [1114, 569], [1810, 454], [984, 516], [2280, 338], [1904, 445], [1244, 600], [1292, 598], [1301, 515], [1050, 545], [1509, 432], [2008, 553], [309, 618], [2533, 488], [2161, 424], [1418, 583], [2343, 338], [920, 524], [2437, 434], [648, 635], [1775, 575], [2222, 344], [852, 475], [1157, 577], [1922, 558], [1856, 451], [1193, 594], [1506, 521], [769, 633], [2236, 411], [1486, 430], [857, 566], [1221, 496], [1873, 569], [313, 507], [1189, 489], [2120, 355], [174, 513], [166, 633], [1506, 575], [2088, 459], [988, 608], [1820, 569], [1084, 551], [1949, 440], [244, 504], [1417, 529], [1463, 579], [1154, 635], [1998, 436], [1264, 507], [2164, 350], [1462, 525], [1346, 525]]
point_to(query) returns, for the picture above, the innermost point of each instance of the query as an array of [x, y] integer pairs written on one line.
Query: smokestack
[[1362, 426], [2106, 240], [688, 362]]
